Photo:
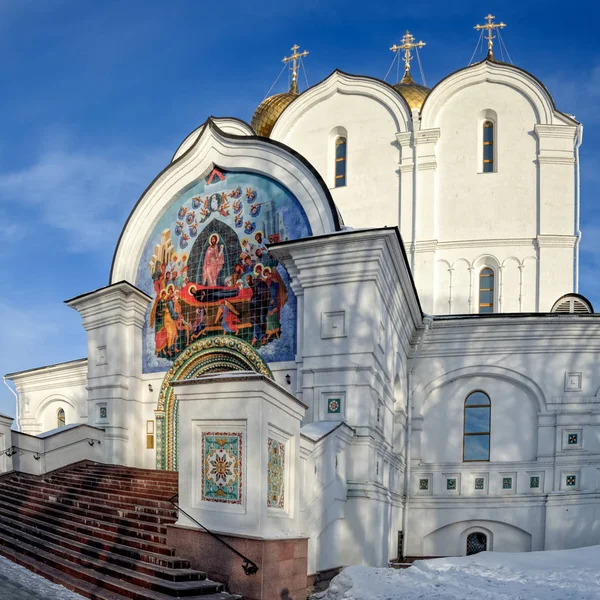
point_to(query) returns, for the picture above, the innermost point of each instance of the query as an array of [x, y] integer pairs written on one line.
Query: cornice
[[556, 241]]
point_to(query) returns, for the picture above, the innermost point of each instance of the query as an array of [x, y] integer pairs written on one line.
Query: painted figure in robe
[[213, 262]]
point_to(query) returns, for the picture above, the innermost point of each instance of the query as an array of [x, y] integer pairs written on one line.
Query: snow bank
[[558, 575]]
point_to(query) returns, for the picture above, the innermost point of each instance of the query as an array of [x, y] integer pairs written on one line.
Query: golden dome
[[268, 112], [412, 92]]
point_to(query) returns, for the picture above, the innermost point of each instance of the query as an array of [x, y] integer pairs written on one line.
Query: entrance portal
[[217, 354]]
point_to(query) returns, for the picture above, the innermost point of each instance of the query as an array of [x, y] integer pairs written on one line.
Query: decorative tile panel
[[534, 482], [423, 484], [572, 439], [208, 270], [222, 467], [479, 483], [507, 483], [571, 481], [451, 483], [276, 474], [334, 406], [103, 412]]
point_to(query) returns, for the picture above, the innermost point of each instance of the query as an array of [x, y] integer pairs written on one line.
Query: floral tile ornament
[[334, 406], [276, 475], [451, 483], [534, 482], [507, 483], [424, 484], [222, 467], [571, 480], [479, 483], [572, 440]]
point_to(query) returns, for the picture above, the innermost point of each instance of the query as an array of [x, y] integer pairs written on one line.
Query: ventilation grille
[[572, 306]]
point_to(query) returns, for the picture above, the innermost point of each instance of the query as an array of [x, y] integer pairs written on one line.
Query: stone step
[[67, 521], [147, 579], [92, 585], [92, 536], [156, 487], [125, 499], [125, 472], [129, 504], [80, 515]]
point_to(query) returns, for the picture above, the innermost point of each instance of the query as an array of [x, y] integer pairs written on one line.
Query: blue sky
[[96, 97]]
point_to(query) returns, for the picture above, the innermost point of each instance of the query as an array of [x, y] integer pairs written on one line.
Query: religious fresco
[[208, 270]]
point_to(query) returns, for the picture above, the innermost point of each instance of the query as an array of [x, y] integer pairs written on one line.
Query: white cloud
[[86, 194]]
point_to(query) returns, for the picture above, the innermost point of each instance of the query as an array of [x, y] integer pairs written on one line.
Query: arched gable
[[196, 243], [495, 72], [230, 125], [344, 83], [212, 148]]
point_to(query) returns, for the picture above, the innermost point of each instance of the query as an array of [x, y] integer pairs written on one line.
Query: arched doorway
[[476, 542], [211, 355]]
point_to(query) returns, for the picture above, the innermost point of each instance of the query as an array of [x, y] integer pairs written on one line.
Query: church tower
[[480, 174]]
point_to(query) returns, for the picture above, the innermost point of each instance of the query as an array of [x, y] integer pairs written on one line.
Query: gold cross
[[490, 28], [295, 57], [408, 42]]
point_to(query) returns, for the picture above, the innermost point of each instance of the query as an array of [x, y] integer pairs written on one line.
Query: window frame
[[488, 124], [478, 433], [60, 411], [492, 289], [343, 160]]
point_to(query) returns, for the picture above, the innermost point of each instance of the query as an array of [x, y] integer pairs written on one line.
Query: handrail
[[12, 450], [249, 566]]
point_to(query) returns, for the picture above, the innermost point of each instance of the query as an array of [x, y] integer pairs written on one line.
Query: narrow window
[[340, 162], [476, 434], [486, 290], [60, 418], [488, 147], [476, 543]]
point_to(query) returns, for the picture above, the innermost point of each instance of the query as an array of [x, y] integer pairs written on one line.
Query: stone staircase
[[100, 531]]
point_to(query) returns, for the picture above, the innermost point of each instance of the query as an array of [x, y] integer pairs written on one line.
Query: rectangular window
[[150, 435]]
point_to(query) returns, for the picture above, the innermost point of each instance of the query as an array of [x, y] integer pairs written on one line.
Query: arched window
[[476, 542], [486, 290], [476, 434], [60, 418], [340, 161], [488, 147]]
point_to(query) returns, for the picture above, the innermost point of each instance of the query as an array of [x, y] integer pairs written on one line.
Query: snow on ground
[[556, 575], [22, 583]]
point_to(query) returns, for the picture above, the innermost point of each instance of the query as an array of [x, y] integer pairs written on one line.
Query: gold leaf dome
[[412, 92], [268, 112]]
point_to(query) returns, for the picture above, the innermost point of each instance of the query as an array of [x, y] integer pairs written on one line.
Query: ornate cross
[[295, 57], [490, 28], [407, 44]]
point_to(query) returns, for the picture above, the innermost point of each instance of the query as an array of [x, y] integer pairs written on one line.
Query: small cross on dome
[[490, 26]]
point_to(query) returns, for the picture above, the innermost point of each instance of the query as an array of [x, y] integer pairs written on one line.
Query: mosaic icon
[[507, 483], [571, 480], [222, 467], [534, 482], [479, 483], [209, 272], [334, 406], [424, 484], [276, 475], [572, 439], [451, 484]]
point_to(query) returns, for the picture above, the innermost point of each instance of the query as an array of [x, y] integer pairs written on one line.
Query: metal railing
[[249, 566], [12, 450]]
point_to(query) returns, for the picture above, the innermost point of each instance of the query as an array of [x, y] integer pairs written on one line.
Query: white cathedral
[[354, 321]]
